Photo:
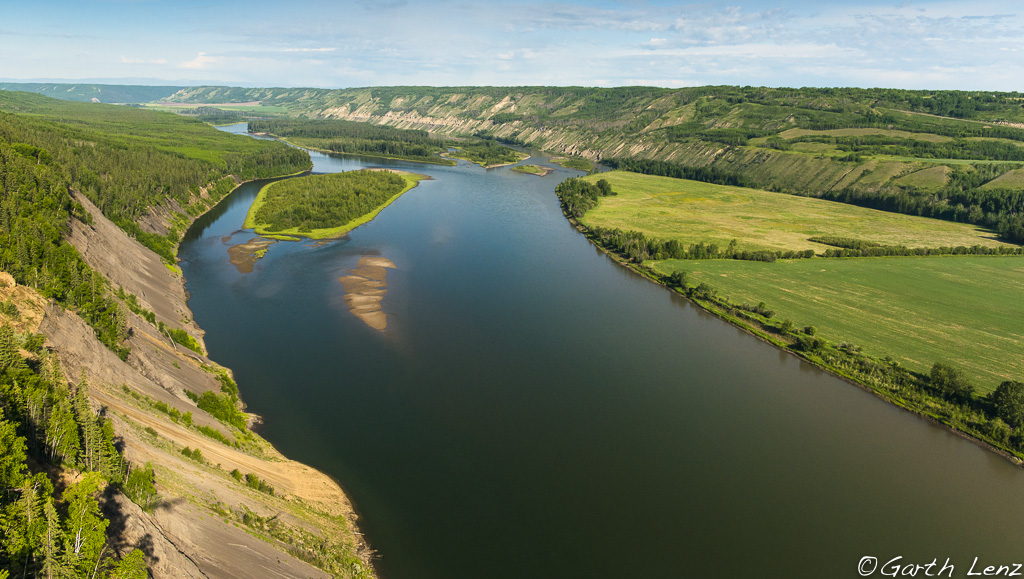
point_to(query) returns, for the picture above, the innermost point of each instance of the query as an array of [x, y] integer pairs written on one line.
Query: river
[[535, 410]]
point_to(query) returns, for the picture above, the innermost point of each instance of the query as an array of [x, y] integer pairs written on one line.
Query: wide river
[[535, 410]]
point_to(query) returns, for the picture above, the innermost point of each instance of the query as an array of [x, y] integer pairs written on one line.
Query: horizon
[[910, 44]]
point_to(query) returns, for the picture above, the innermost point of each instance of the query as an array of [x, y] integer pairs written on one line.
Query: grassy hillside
[[934, 153], [86, 92], [694, 212], [920, 310]]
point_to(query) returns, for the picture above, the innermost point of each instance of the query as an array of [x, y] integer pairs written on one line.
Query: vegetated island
[[916, 310], [325, 206], [537, 170], [578, 163], [487, 154]]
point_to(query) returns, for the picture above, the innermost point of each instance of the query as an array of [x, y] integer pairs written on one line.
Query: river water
[[535, 410]]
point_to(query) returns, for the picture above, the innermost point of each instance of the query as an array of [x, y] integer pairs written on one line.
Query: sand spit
[[365, 286], [244, 255]]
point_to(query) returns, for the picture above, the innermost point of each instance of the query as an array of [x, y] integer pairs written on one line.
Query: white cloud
[[201, 61]]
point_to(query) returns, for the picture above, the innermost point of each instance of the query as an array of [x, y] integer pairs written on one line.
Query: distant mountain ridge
[[104, 93]]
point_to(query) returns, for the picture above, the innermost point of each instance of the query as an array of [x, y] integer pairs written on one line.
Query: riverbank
[[439, 161], [212, 522], [322, 491], [848, 365]]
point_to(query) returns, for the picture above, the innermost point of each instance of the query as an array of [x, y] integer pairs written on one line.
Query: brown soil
[[129, 264], [245, 255], [30, 305], [365, 286]]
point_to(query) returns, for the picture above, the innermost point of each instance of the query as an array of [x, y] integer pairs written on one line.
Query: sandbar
[[244, 255], [365, 287]]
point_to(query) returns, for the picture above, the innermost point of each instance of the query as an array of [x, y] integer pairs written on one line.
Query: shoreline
[[329, 152], [363, 547], [751, 330], [541, 172], [494, 166]]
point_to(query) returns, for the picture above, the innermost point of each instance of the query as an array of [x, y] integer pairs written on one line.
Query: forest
[[127, 161], [486, 153], [48, 526], [305, 204], [352, 138]]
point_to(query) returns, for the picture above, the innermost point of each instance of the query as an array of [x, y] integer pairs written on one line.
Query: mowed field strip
[[692, 212], [964, 310]]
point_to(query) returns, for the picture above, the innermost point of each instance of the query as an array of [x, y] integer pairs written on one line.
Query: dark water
[[534, 410]]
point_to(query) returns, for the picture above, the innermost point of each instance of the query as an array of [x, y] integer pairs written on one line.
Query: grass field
[[929, 137], [578, 163], [1011, 180], [692, 212], [931, 178], [967, 311]]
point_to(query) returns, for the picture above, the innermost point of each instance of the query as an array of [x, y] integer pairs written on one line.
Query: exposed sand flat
[[244, 255], [365, 287]]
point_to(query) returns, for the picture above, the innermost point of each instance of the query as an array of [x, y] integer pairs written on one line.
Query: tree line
[[353, 138], [958, 148]]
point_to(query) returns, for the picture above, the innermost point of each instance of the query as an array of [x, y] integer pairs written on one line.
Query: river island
[[326, 206]]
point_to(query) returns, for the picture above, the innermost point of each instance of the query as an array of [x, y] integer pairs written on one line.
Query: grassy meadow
[[692, 212], [964, 310]]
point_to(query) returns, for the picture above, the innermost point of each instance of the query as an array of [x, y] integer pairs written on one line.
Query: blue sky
[[918, 44]]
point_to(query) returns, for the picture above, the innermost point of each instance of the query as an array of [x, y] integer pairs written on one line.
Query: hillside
[[100, 93], [945, 154], [91, 312]]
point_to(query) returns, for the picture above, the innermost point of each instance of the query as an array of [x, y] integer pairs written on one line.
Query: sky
[[913, 44]]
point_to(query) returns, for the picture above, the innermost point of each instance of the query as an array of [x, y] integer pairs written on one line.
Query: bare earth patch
[[244, 255], [365, 286]]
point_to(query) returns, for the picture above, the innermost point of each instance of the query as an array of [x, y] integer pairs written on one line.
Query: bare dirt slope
[[208, 522], [129, 264]]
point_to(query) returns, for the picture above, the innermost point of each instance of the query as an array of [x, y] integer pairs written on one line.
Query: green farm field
[[964, 310], [693, 212]]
